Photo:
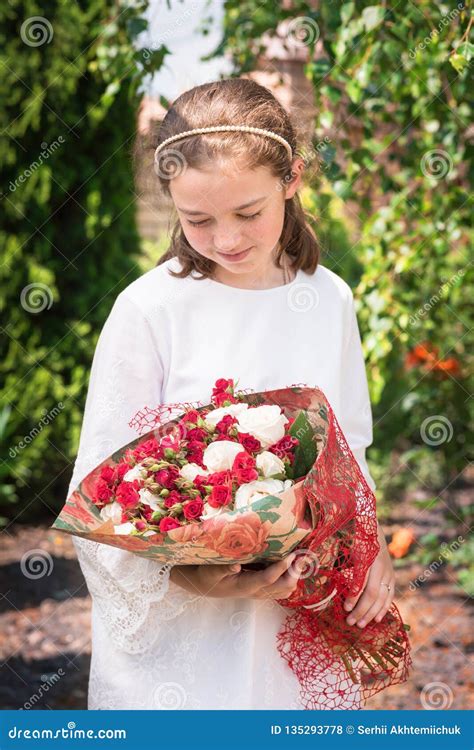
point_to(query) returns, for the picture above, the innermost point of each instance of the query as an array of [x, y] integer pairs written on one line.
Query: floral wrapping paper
[[328, 516]]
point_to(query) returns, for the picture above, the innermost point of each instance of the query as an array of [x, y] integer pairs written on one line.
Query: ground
[[45, 623]]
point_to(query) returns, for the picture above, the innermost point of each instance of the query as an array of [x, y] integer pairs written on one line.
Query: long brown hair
[[229, 102]]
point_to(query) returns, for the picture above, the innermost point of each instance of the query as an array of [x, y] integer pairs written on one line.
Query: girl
[[240, 294]]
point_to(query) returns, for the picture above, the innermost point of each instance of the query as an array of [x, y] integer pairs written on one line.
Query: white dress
[[154, 645]]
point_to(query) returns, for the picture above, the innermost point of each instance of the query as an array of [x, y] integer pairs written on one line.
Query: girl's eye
[[241, 216], [198, 223], [250, 216]]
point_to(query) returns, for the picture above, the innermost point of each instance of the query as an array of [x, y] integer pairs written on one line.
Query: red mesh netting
[[338, 666]]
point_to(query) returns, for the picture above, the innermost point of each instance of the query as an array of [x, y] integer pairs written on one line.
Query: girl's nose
[[225, 242]]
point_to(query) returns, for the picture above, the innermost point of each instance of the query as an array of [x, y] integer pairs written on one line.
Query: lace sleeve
[[132, 595], [127, 371]]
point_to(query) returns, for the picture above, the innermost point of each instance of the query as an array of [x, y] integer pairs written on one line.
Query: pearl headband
[[219, 128]]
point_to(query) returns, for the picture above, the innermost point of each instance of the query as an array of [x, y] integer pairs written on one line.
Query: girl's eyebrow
[[237, 208]]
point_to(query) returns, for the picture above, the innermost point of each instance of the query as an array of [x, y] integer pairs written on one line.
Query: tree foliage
[[69, 86], [392, 143]]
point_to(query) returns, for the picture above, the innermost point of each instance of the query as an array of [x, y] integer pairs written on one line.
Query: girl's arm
[[376, 595], [126, 374]]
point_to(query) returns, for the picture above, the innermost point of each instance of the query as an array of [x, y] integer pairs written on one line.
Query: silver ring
[[387, 585]]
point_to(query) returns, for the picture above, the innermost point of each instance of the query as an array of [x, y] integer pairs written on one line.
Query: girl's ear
[[297, 169]]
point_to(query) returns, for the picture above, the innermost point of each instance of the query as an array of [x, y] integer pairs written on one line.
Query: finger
[[386, 605], [221, 571], [282, 588], [275, 571], [370, 596], [351, 601]]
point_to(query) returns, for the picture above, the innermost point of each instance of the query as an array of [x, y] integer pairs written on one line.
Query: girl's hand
[[375, 598], [275, 582]]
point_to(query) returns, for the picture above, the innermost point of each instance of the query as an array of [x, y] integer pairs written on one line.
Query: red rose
[[173, 498], [243, 460], [222, 392], [172, 442], [147, 512], [284, 447], [220, 495], [200, 480], [103, 491], [225, 424], [243, 476], [167, 477], [193, 509], [148, 448], [168, 523], [127, 494], [140, 525], [197, 433], [191, 416], [121, 470], [222, 384], [107, 474], [219, 477], [249, 442]]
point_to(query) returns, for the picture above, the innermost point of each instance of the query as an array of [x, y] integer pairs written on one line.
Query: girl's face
[[234, 217]]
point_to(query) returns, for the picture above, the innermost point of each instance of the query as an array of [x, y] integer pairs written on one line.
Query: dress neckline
[[241, 290]]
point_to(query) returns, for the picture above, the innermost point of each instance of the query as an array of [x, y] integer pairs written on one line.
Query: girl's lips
[[235, 258]]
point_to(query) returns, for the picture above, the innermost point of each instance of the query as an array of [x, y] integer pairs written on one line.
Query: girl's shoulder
[[329, 284], [155, 288]]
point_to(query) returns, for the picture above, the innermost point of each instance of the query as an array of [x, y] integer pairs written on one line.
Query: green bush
[[70, 89], [393, 93]]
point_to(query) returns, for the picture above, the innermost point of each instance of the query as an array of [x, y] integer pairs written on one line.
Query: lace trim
[[133, 595]]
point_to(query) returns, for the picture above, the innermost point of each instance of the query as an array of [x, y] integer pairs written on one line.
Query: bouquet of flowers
[[249, 478]]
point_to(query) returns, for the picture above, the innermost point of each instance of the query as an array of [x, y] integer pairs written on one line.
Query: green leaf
[[305, 453], [264, 503], [274, 545], [268, 516], [372, 16], [346, 11]]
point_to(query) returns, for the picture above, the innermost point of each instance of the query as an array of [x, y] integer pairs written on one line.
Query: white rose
[[266, 423], [216, 415], [136, 472], [221, 454], [124, 528], [112, 511], [210, 512], [269, 464], [248, 493], [149, 498], [190, 471]]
